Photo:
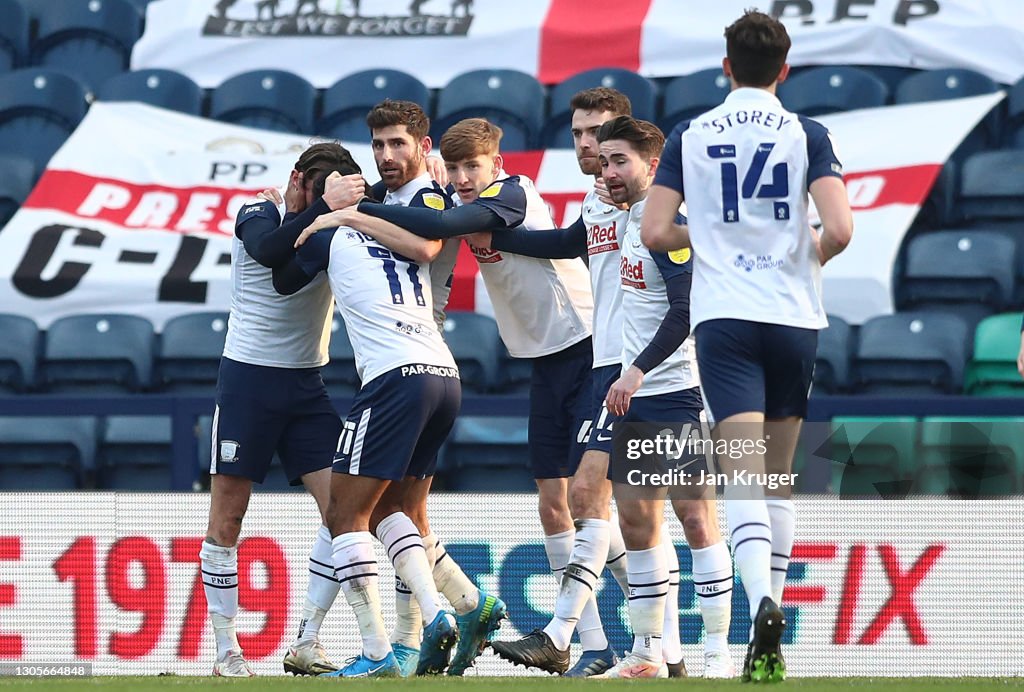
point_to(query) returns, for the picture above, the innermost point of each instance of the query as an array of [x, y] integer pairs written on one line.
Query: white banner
[[211, 40], [931, 590]]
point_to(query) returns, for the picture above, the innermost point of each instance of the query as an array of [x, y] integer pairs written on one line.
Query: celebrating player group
[[663, 324]]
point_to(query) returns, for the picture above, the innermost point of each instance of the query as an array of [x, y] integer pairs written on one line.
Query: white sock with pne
[[648, 589], [220, 583], [617, 555], [671, 647], [322, 589], [356, 568], [712, 581], [783, 516], [750, 530], [460, 591], [404, 545], [408, 619], [589, 552]]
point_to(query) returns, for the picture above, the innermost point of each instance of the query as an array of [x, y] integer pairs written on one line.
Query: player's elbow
[[657, 236], [283, 286], [428, 251], [840, 232]]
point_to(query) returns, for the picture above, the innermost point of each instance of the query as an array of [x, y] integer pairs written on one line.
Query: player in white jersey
[[400, 144], [745, 170], [270, 396], [658, 390]]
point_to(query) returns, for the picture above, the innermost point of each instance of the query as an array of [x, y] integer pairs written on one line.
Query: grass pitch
[[502, 684]]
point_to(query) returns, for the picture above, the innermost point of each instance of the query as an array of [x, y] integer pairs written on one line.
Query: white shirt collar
[[404, 194], [752, 94]]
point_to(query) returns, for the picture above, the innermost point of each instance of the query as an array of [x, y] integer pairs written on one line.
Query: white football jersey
[[605, 226], [385, 301], [542, 306], [266, 328], [744, 169], [642, 274]]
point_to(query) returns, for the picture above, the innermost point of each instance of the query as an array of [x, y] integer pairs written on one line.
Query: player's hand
[[1020, 356], [437, 171], [342, 191], [602, 194], [330, 220], [295, 194], [271, 194], [622, 390], [482, 239]]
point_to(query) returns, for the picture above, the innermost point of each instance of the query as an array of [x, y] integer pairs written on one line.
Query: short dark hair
[[645, 137], [756, 46], [389, 112], [317, 162], [601, 99]]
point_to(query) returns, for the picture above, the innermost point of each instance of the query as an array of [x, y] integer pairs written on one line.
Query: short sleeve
[[507, 199], [821, 156], [673, 264], [258, 209], [315, 254], [670, 167]]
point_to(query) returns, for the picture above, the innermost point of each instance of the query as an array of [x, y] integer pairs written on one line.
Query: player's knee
[[698, 530], [554, 516]]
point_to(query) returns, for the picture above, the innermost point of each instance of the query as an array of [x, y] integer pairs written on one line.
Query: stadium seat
[[97, 353], [690, 95], [992, 186], [163, 88], [824, 90], [993, 368], [134, 453], [340, 374], [268, 99], [832, 361], [891, 75], [971, 457], [874, 456], [89, 39], [939, 208], [14, 32], [188, 356], [488, 454], [474, 341], [16, 184], [19, 349], [46, 453], [512, 100], [969, 273], [514, 374], [953, 83], [640, 90], [1014, 127], [39, 108], [348, 100], [911, 354]]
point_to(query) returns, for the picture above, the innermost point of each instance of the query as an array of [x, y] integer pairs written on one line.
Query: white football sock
[[617, 555], [589, 552], [322, 589], [453, 582], [220, 582], [712, 581], [356, 568], [404, 545], [783, 516], [751, 534], [671, 647], [408, 619], [648, 588]]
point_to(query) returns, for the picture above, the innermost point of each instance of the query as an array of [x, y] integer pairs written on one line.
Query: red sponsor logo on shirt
[[632, 274], [601, 239], [485, 255]]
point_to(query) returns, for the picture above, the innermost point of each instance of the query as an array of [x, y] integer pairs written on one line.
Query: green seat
[[873, 456], [971, 457], [993, 369]]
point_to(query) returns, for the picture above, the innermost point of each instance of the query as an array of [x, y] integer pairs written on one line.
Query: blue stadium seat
[[832, 361], [474, 341], [348, 100], [1014, 127], [268, 99], [163, 88], [39, 108], [512, 100], [514, 374], [690, 95], [97, 353], [340, 374], [14, 32], [19, 349], [46, 453], [911, 354], [970, 273], [188, 356], [992, 186], [824, 90], [90, 39], [16, 184], [953, 83], [640, 90], [134, 453], [488, 454], [892, 75]]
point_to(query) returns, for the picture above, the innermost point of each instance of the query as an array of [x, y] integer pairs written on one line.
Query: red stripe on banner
[[142, 206], [580, 35], [523, 163], [904, 185], [463, 295]]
